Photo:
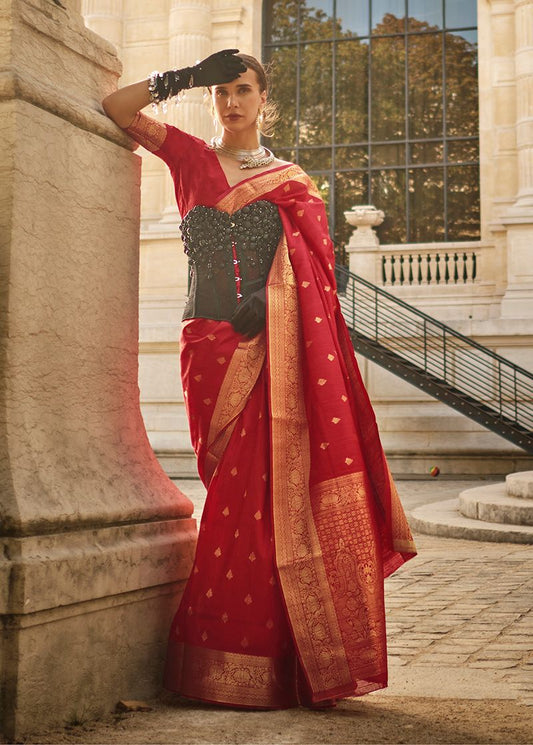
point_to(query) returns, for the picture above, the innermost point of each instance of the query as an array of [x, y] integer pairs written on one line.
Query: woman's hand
[[220, 67], [250, 316]]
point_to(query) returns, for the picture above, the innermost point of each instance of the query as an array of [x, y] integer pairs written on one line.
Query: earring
[[260, 119], [215, 124]]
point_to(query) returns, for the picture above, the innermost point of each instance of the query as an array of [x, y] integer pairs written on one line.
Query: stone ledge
[[444, 519], [79, 566], [15, 86], [520, 484], [492, 504], [69, 30], [406, 463], [176, 464]]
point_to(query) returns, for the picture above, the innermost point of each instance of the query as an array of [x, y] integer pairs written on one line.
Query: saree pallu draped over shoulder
[[287, 442]]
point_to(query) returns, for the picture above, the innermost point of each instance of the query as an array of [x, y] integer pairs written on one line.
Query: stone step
[[520, 484], [492, 504], [444, 519]]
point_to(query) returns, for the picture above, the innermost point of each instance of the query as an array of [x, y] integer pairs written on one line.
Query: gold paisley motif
[[354, 568]]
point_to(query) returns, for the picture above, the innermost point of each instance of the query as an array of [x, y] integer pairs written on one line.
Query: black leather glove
[[220, 67], [249, 318]]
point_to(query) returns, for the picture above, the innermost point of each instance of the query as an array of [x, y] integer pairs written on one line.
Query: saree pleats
[[230, 641], [302, 521]]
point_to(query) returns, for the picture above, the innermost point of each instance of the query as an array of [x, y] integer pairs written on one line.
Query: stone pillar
[[524, 102], [363, 246], [190, 41], [229, 31], [518, 219], [96, 541], [104, 17]]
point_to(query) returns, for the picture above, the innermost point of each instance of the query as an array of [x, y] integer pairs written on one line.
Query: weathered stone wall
[[96, 540]]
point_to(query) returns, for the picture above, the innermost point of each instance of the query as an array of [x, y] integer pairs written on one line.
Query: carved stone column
[[518, 219], [363, 245], [95, 540], [190, 41], [104, 17]]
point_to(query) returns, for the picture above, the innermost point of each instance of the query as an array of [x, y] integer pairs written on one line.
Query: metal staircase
[[451, 367]]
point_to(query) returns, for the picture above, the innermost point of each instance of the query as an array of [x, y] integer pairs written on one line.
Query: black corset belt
[[222, 247]]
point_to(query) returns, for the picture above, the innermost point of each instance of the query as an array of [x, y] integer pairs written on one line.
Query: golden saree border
[[354, 568], [402, 538], [299, 559], [230, 677], [245, 192], [148, 132], [243, 371]]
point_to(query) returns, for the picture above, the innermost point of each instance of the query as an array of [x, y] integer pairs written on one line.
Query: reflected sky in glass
[[325, 5], [353, 16], [382, 7], [461, 13], [426, 10], [469, 36]]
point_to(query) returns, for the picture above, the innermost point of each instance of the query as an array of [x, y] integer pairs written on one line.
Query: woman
[[302, 522]]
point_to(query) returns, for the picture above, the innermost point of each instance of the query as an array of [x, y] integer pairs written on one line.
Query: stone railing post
[[363, 245], [96, 540]]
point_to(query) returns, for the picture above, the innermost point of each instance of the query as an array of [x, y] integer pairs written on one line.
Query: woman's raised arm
[[122, 105], [220, 67]]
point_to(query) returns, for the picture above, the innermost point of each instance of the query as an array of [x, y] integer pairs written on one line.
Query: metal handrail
[[444, 354]]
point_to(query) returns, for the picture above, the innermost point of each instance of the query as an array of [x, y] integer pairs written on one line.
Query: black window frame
[[445, 140]]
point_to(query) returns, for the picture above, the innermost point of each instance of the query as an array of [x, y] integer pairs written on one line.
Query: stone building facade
[[496, 308]]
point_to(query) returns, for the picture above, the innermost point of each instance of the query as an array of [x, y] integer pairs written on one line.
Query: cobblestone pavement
[[463, 609], [459, 615]]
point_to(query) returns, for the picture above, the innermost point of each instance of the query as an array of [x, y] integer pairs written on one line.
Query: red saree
[[302, 521]]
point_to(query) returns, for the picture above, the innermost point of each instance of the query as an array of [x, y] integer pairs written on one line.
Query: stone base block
[[99, 632], [492, 504], [76, 663]]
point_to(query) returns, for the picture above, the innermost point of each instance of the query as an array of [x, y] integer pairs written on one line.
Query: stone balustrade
[[446, 265]]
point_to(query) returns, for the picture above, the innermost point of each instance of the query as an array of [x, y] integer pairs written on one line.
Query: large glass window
[[379, 104]]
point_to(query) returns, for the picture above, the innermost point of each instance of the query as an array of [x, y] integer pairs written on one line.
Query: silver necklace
[[260, 156]]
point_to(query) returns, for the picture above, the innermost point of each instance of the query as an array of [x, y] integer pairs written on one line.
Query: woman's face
[[238, 103]]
